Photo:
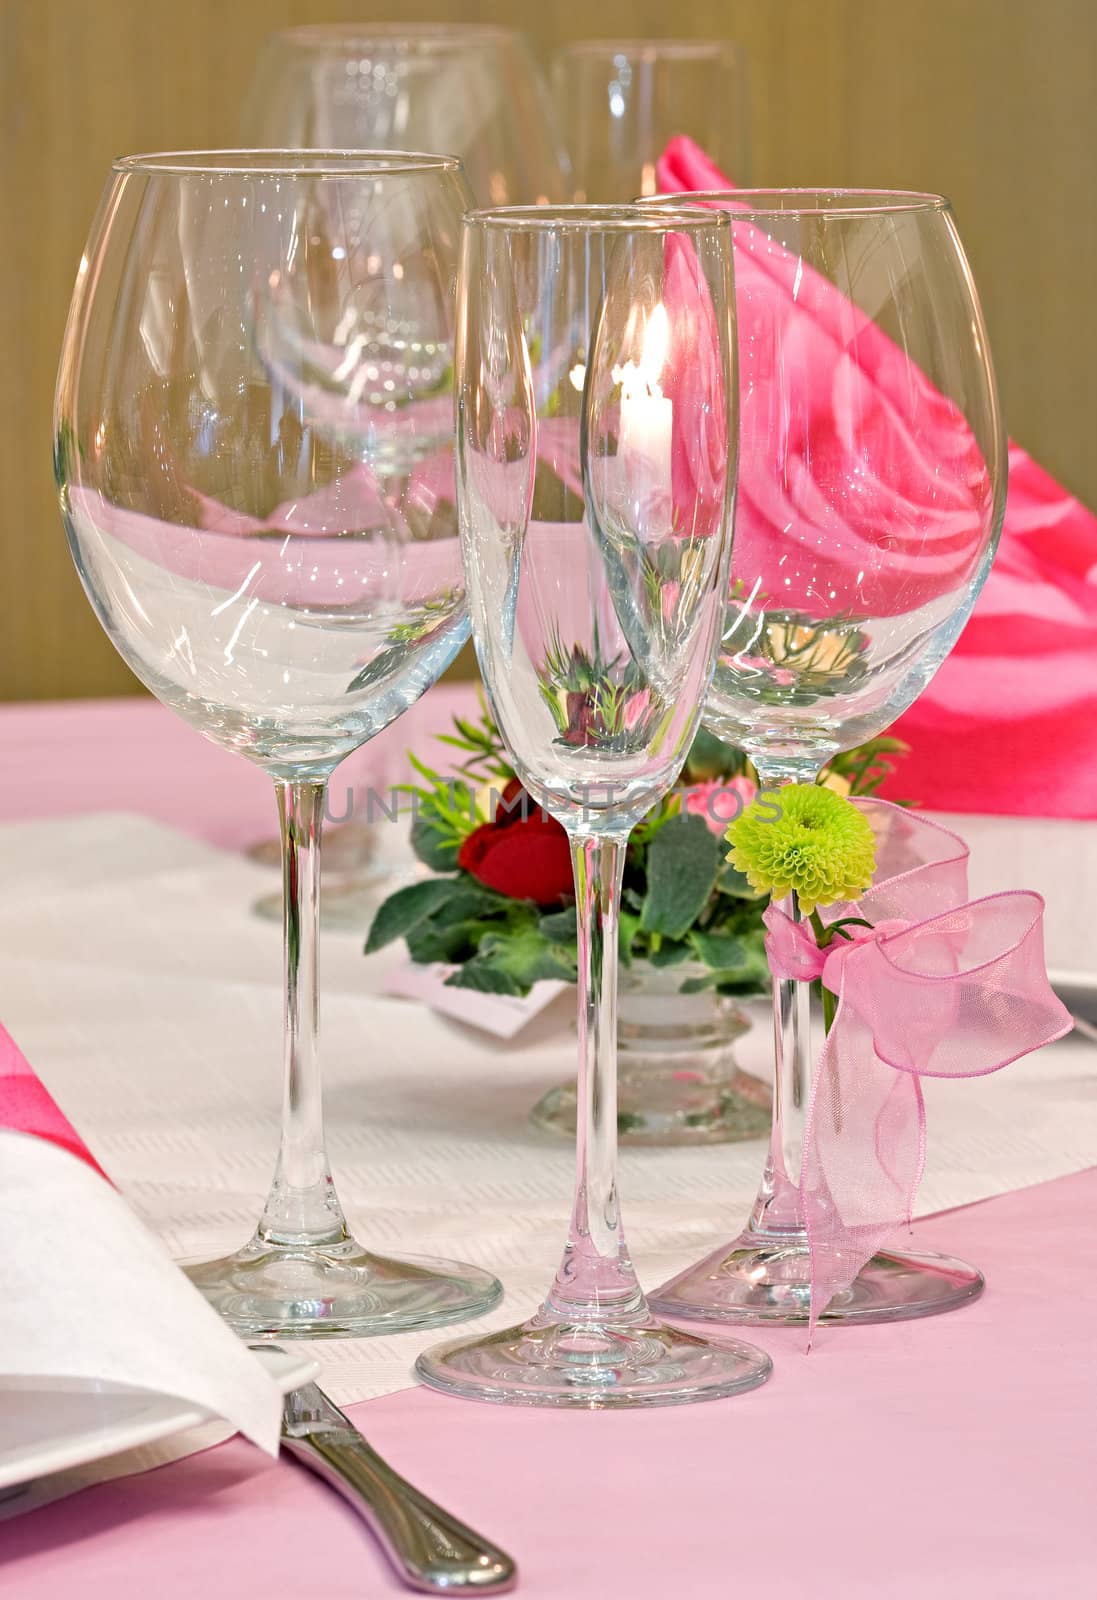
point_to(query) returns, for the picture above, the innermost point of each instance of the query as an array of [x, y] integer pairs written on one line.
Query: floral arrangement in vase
[[498, 907], [498, 910]]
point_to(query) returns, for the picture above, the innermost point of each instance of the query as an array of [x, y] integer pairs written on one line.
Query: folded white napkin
[[91, 1297]]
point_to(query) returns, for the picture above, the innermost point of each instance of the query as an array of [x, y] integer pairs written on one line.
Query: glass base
[[672, 1105], [595, 1366], [338, 1290], [764, 1279]]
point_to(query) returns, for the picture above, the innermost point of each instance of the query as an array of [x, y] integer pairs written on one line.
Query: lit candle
[[643, 445]]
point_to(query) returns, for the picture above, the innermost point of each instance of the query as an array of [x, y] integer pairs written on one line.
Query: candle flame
[[642, 377], [656, 344]]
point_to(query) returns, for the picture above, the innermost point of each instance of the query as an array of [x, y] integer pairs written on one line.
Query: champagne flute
[[622, 100], [871, 494], [254, 455], [595, 474]]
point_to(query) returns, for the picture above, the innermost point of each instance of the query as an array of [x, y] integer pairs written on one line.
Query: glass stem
[[777, 1208], [302, 1207], [596, 1281]]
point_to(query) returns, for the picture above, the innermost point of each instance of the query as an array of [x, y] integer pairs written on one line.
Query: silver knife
[[430, 1549]]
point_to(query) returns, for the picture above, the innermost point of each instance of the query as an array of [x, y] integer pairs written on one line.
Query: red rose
[[525, 856]]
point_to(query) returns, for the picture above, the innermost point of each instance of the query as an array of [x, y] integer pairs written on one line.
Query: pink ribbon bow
[[938, 987]]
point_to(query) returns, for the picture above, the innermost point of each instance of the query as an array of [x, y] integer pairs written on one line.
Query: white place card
[[503, 1015]]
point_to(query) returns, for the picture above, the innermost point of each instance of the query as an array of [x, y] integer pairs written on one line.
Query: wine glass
[[622, 100], [595, 474], [871, 494], [462, 89], [254, 454], [467, 90]]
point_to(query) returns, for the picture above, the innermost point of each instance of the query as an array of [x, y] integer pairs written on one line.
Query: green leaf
[[560, 926], [402, 910], [866, 767], [670, 953], [449, 803], [683, 861], [485, 757], [737, 964], [487, 977], [645, 830], [512, 963], [454, 930], [731, 881], [432, 941], [719, 949], [434, 845], [474, 901], [628, 928]]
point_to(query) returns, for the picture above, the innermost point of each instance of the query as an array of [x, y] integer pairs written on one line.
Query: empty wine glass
[[871, 493], [254, 454], [621, 101], [595, 473], [464, 89]]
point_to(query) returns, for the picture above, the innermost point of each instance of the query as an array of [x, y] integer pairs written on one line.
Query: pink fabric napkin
[[26, 1107], [1009, 723]]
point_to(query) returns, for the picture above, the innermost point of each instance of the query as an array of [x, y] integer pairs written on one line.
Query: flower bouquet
[[498, 912]]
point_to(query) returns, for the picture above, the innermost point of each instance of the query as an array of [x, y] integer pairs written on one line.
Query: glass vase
[[678, 1082]]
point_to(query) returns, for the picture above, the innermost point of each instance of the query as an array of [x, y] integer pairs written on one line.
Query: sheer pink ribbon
[[938, 987]]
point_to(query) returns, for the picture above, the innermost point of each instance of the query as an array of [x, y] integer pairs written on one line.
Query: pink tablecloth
[[955, 1456], [72, 756]]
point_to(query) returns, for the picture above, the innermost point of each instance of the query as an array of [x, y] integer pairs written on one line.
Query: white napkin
[[90, 1296]]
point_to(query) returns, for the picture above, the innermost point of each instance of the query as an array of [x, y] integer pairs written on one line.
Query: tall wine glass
[[464, 89], [622, 100], [871, 494], [254, 454], [595, 474]]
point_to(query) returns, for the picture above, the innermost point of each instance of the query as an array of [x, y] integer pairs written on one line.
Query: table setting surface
[[111, 921], [764, 842]]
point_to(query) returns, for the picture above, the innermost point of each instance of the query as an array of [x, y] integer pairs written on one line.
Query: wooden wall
[[992, 101]]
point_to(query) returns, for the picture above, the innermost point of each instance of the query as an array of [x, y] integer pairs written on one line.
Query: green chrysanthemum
[[819, 847]]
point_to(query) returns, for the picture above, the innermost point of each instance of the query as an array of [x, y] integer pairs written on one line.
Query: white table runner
[[146, 994]]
